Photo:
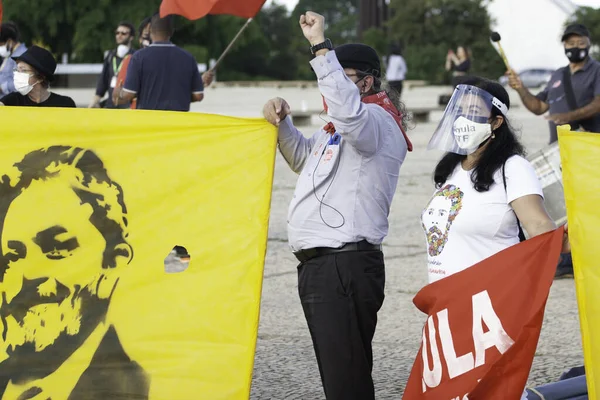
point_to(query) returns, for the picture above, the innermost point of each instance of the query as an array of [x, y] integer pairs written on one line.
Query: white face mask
[[4, 51], [21, 81], [469, 135], [122, 50]]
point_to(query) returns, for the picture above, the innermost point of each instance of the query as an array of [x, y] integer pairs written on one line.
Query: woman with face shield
[[32, 77], [484, 185]]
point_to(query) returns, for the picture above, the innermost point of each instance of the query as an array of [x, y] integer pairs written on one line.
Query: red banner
[[484, 324], [195, 9]]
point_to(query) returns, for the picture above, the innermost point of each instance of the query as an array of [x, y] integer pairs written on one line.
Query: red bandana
[[382, 100]]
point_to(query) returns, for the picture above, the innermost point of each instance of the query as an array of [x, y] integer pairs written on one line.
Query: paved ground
[[285, 367]]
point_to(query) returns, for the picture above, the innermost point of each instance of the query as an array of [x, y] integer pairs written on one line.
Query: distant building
[[531, 30]]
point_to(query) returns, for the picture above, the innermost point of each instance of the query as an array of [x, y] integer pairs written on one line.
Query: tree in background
[[272, 47], [341, 17], [428, 28], [84, 30]]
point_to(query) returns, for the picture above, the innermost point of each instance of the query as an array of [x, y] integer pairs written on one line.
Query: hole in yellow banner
[[177, 260]]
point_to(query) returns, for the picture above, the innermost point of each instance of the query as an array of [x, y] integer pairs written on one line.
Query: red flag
[[484, 324], [195, 9], [1, 10]]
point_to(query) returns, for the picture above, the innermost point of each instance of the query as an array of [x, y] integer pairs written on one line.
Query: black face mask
[[577, 54]]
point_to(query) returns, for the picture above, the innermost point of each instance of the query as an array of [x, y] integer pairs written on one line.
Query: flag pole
[[231, 44]]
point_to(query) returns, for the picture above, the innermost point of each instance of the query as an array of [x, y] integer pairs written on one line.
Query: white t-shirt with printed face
[[463, 227]]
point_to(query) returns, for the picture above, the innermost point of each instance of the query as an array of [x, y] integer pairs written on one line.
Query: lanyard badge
[[335, 139]]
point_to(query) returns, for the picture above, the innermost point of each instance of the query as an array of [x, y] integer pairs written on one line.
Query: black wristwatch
[[325, 45]]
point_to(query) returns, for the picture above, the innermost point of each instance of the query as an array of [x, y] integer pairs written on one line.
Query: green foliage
[[273, 46], [83, 29], [377, 39], [341, 18], [200, 53], [428, 28]]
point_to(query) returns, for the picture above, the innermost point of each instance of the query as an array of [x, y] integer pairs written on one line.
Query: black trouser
[[341, 294]]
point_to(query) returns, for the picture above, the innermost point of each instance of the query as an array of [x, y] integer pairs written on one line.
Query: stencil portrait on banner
[[64, 230]]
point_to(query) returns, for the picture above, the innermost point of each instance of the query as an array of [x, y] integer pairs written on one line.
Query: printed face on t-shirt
[[436, 215], [439, 215]]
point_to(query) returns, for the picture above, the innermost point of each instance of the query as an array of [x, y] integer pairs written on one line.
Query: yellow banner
[[580, 155], [91, 203]]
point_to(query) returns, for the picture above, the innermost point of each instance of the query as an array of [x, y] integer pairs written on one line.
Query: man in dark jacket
[[107, 81]]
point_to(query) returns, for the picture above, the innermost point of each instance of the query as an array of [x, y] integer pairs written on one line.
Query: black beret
[[360, 57]]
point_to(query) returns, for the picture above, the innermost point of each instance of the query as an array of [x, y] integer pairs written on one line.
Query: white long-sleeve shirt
[[346, 181]]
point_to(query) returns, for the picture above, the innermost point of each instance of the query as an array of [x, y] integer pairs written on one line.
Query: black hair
[[145, 22], [162, 25], [395, 48], [9, 30], [43, 80], [498, 150], [381, 86], [129, 26]]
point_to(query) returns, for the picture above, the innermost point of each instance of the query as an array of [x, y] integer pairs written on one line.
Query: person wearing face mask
[[485, 190], [10, 46], [144, 40], [107, 81], [32, 77], [572, 95], [338, 218], [163, 76]]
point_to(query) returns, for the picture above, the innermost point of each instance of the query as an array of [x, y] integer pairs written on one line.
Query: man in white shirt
[[338, 217]]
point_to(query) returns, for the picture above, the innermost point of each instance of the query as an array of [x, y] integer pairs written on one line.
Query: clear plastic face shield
[[466, 122]]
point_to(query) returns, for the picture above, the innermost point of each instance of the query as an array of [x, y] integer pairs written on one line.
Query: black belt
[[363, 245]]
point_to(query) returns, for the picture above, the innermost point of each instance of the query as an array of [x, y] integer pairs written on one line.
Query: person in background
[[459, 63], [107, 81], [170, 80], [32, 78], [144, 41], [572, 96], [144, 32], [583, 74], [396, 68], [10, 46]]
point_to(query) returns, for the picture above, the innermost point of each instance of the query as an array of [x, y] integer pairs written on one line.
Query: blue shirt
[[164, 77], [7, 68], [586, 86]]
